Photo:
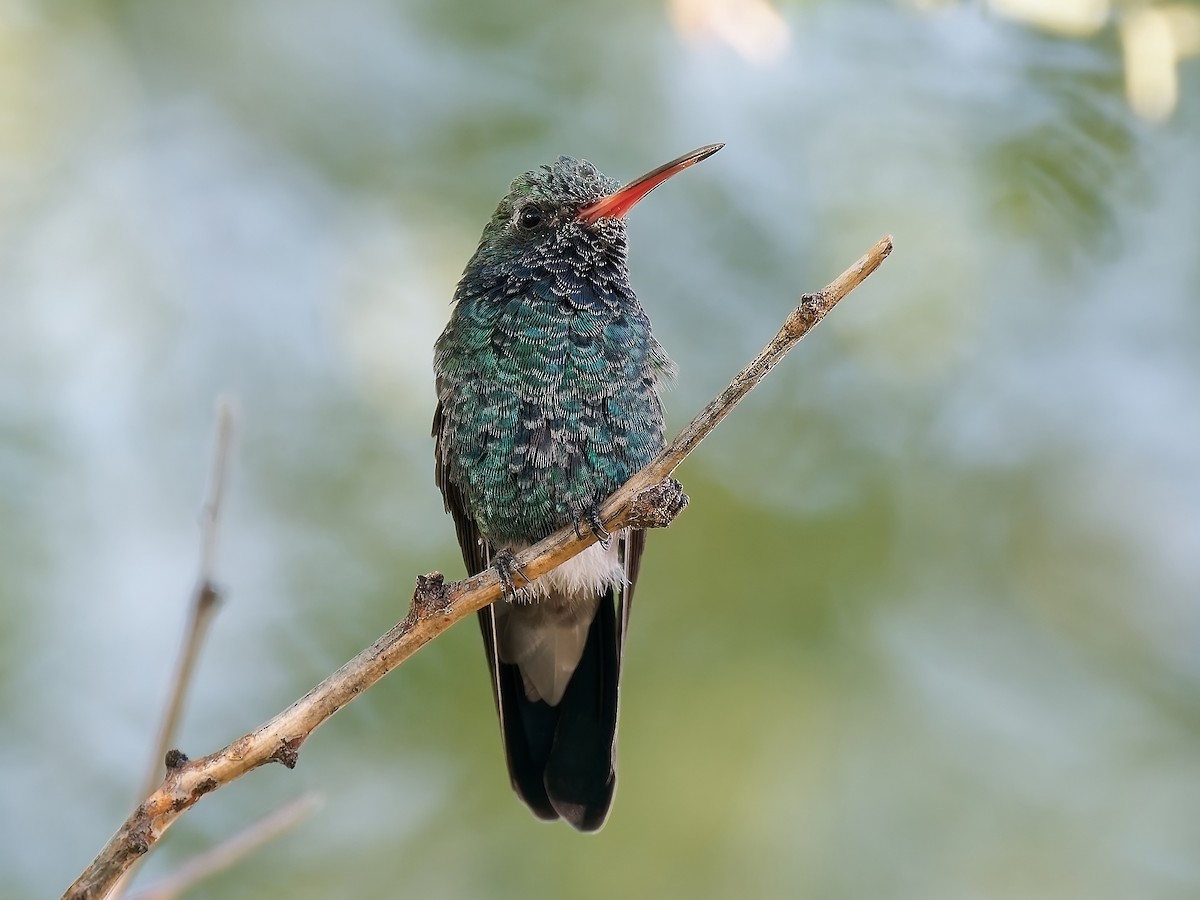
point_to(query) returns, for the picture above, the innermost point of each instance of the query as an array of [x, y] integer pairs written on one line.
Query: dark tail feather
[[561, 758], [581, 775]]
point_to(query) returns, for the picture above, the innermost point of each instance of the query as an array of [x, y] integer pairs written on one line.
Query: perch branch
[[641, 501]]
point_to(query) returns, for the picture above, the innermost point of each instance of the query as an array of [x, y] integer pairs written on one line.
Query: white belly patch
[[584, 576]]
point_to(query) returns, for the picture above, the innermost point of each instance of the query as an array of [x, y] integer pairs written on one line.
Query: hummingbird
[[547, 401]]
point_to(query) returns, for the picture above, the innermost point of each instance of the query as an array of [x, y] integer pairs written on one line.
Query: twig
[[219, 858], [205, 598], [436, 606]]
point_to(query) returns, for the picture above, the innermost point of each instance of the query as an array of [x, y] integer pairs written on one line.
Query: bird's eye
[[529, 217]]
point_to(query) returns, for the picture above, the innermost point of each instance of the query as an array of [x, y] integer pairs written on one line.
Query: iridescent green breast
[[549, 403]]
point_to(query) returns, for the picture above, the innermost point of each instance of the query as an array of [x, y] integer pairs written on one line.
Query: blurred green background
[[931, 625]]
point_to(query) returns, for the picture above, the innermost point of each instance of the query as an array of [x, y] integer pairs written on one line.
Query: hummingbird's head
[[567, 210]]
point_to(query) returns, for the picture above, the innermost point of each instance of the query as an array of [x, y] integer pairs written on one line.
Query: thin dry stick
[[219, 858], [646, 500], [205, 598]]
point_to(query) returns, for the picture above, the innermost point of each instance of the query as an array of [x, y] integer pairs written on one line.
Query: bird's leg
[[506, 564], [591, 515]]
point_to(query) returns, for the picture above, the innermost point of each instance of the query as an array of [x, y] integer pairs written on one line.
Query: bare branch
[[435, 607], [205, 598]]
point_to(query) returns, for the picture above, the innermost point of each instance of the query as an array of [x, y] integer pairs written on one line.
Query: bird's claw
[[506, 564], [596, 524]]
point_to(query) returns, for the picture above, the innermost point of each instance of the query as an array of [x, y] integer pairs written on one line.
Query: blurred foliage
[[929, 627], [1064, 181]]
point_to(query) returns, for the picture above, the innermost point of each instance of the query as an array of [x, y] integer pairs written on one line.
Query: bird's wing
[[632, 546], [506, 686], [475, 550]]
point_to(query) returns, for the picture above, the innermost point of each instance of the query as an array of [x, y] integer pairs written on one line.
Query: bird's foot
[[506, 566], [592, 517]]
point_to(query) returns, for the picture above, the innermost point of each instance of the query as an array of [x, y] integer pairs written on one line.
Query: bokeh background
[[931, 625]]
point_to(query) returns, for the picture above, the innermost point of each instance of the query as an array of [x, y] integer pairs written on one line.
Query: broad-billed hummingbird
[[547, 384]]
